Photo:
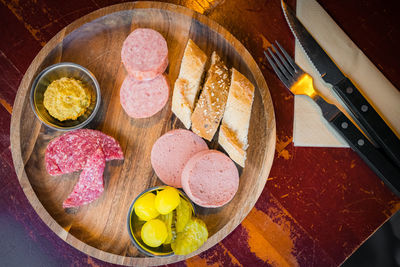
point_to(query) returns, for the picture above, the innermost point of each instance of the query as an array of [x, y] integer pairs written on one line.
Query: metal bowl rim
[[137, 245], [62, 64]]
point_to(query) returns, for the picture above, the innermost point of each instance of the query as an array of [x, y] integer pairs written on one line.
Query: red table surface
[[319, 204]]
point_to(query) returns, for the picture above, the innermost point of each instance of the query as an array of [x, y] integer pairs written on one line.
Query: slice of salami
[[171, 152], [144, 54], [70, 151], [143, 99], [90, 184], [111, 148]]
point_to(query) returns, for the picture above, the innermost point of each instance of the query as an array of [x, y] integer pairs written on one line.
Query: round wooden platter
[[94, 41]]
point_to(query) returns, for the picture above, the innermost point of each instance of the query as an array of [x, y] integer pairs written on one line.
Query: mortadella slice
[[171, 152], [210, 179]]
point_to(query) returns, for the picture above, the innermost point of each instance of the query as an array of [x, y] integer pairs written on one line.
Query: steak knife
[[361, 110]]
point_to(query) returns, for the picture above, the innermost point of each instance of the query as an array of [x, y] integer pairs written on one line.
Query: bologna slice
[[70, 151], [210, 179], [145, 54], [171, 152], [143, 99], [90, 184]]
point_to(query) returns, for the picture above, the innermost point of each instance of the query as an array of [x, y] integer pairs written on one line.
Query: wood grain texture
[[95, 42]]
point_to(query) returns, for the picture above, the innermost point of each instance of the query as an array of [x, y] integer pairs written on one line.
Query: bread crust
[[235, 124], [187, 86], [211, 104]]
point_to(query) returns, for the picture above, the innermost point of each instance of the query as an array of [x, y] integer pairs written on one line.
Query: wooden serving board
[[94, 41]]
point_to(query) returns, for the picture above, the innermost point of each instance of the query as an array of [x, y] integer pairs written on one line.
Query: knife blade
[[364, 114]]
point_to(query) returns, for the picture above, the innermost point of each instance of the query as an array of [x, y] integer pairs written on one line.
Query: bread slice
[[235, 124], [187, 85], [211, 104]]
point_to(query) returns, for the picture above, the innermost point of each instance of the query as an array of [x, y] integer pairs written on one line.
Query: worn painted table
[[319, 204]]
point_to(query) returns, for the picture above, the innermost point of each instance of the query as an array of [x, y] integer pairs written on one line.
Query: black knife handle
[[369, 119], [371, 155]]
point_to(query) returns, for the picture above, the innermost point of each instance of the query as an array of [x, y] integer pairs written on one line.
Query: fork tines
[[285, 67]]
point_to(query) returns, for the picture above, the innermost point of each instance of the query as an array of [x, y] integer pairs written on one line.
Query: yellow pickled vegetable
[[183, 215], [154, 233], [193, 237], [167, 219], [167, 200], [145, 208]]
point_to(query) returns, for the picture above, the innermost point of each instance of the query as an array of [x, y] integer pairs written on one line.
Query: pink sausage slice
[[143, 99], [145, 54], [90, 184], [210, 179], [171, 152]]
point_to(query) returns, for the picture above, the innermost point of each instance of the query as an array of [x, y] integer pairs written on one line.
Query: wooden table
[[319, 204]]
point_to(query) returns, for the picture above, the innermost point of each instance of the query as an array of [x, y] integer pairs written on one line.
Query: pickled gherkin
[[183, 215], [193, 237], [144, 207], [168, 219], [167, 200], [154, 233]]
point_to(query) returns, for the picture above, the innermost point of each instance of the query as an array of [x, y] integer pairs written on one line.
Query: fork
[[301, 83]]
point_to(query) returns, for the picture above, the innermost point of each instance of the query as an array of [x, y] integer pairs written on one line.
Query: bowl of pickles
[[162, 222]]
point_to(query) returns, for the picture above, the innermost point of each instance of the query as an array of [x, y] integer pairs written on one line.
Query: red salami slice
[[145, 54], [90, 184], [70, 151], [143, 99]]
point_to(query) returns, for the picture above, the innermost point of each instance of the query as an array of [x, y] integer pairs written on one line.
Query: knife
[[361, 110]]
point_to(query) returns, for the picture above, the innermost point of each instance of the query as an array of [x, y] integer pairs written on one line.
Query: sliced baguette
[[235, 124], [187, 85], [211, 104]]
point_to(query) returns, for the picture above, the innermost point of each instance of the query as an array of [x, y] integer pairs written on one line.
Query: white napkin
[[310, 128]]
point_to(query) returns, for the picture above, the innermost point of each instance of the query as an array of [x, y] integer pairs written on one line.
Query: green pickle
[[193, 237], [167, 219], [183, 215]]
